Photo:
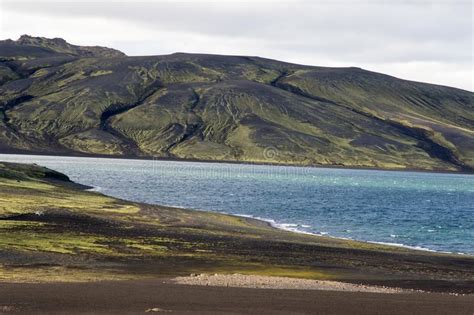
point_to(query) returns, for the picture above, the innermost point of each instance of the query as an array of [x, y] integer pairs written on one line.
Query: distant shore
[[174, 159]]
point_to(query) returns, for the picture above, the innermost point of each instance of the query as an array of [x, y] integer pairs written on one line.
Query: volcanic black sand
[[137, 297], [55, 233]]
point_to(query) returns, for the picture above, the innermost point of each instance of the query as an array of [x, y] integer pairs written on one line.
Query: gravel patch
[[265, 282]]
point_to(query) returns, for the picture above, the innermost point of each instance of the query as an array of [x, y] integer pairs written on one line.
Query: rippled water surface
[[427, 210]]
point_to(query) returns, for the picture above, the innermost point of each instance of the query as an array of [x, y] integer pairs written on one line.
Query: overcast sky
[[420, 40]]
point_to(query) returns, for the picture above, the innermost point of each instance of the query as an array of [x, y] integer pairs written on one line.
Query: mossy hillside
[[232, 108], [441, 110], [18, 171], [286, 129]]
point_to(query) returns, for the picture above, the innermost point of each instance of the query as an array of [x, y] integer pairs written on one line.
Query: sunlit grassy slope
[[59, 98]]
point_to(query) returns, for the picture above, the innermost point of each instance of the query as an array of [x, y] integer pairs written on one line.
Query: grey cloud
[[430, 30], [348, 31]]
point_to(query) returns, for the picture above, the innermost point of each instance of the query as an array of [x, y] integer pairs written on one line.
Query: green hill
[[63, 99]]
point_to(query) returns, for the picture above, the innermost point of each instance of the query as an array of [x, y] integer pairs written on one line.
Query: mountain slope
[[60, 98]]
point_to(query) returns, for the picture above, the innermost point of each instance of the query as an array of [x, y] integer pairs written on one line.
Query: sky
[[422, 40]]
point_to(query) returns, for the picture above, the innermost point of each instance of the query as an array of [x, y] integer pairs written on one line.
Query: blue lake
[[425, 210]]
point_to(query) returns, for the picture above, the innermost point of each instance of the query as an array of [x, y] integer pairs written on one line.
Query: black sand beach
[[137, 297]]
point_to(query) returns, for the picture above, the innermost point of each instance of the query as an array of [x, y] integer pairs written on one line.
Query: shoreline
[[279, 226], [174, 159], [88, 236], [269, 221]]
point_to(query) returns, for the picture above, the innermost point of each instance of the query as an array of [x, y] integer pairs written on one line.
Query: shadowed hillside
[[63, 99]]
